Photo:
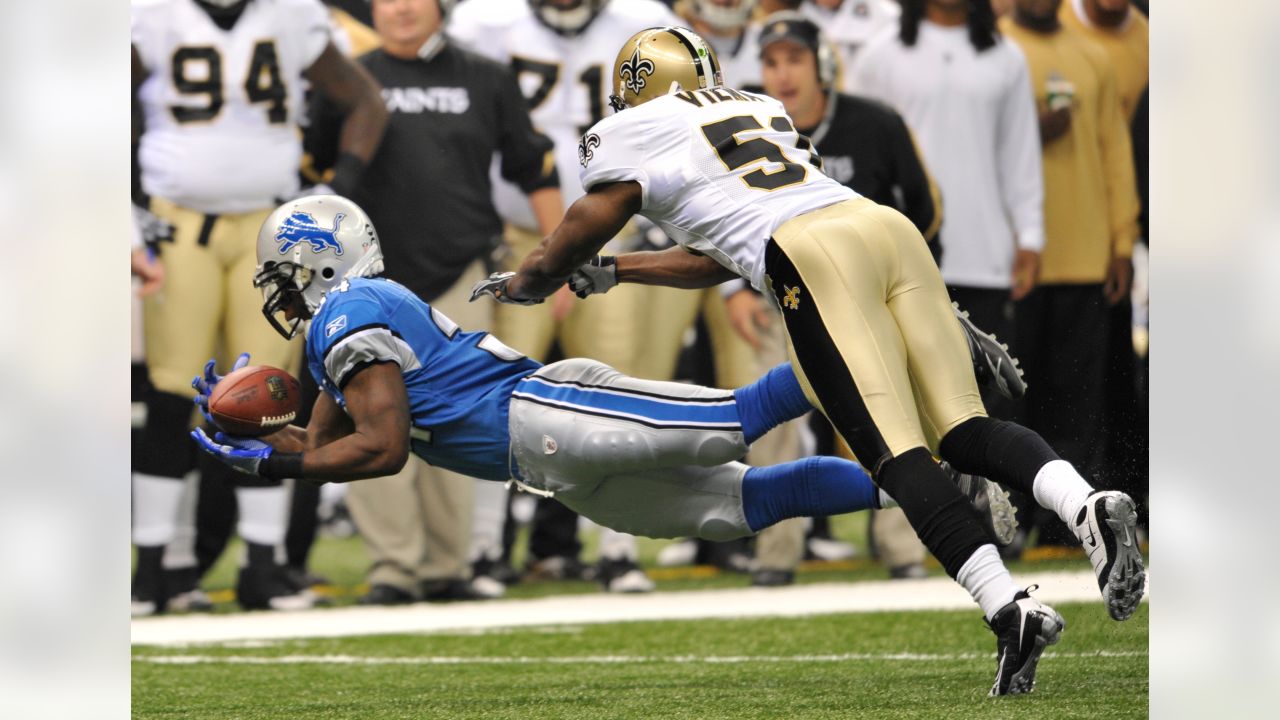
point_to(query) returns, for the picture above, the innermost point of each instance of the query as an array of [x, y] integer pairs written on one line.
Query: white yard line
[[792, 601], [596, 659]]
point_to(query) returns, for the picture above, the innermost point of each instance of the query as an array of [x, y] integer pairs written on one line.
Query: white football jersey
[[720, 171], [222, 106], [566, 80]]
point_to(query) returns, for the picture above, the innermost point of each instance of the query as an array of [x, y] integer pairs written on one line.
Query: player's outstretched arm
[[588, 224], [673, 267]]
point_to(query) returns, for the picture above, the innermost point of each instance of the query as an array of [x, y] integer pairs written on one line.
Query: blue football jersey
[[459, 383]]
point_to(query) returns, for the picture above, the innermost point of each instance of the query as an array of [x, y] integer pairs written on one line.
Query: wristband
[[279, 466], [346, 174]]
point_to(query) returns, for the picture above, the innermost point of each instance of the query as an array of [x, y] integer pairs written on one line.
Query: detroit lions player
[[645, 457]]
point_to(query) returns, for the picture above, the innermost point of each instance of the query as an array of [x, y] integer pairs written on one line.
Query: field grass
[[881, 665]]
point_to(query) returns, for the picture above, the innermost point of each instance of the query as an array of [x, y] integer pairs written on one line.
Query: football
[[255, 400]]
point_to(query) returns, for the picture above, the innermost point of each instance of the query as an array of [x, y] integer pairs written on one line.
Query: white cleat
[[1107, 527], [991, 501]]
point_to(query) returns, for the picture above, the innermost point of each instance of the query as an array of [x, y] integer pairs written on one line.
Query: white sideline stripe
[[793, 601], [597, 659]]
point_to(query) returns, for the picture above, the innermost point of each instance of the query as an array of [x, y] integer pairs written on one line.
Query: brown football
[[255, 400]]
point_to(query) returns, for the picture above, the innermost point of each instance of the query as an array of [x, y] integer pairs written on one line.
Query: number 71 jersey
[[720, 170], [222, 106]]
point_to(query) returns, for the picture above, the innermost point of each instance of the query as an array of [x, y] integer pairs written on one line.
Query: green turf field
[[879, 665]]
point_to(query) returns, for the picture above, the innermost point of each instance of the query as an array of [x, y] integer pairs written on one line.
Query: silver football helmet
[[307, 247], [567, 17]]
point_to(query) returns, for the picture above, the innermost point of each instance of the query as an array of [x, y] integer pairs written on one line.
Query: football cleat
[[1107, 527], [992, 363], [990, 500], [1023, 628], [623, 576], [267, 588]]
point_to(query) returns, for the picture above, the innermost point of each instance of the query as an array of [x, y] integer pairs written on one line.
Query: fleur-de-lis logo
[[589, 142], [633, 72], [792, 299]]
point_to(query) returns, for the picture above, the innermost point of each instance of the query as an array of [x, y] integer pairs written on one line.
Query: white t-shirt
[[725, 204], [976, 123], [222, 107], [567, 80]]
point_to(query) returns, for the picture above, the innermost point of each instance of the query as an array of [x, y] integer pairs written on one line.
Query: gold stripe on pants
[[871, 327]]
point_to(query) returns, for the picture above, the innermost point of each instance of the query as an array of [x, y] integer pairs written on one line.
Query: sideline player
[[219, 89], [873, 337], [646, 457]]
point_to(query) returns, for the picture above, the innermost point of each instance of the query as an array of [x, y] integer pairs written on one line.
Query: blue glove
[[495, 286], [204, 384], [242, 454]]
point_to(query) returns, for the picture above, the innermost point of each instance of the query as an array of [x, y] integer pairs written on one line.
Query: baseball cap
[[792, 27]]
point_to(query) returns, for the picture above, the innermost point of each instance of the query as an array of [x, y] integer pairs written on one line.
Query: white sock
[[987, 580], [886, 502], [1058, 487], [180, 552], [617, 546], [487, 517], [155, 508], [263, 514]]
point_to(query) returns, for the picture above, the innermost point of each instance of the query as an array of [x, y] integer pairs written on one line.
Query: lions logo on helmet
[[656, 61], [302, 227], [287, 272]]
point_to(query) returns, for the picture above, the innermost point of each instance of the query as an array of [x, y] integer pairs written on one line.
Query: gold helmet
[[655, 60]]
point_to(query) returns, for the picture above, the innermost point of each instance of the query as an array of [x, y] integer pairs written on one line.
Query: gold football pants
[[873, 338], [208, 303]]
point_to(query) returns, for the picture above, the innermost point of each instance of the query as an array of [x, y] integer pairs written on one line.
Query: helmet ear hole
[[327, 273]]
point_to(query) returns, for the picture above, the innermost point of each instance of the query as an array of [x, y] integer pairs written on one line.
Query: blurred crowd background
[[1012, 132]]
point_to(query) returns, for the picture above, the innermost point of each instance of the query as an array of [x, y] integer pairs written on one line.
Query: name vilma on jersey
[[711, 96]]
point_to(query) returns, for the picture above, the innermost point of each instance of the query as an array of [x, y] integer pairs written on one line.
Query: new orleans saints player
[[873, 337], [219, 89]]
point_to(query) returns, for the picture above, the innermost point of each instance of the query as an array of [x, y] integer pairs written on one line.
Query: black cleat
[[623, 576], [1023, 628], [990, 500], [1107, 528], [992, 363]]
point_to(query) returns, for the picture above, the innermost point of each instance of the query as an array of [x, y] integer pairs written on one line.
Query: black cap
[[792, 27]]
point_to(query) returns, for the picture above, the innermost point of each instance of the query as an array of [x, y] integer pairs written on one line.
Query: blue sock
[[808, 487], [770, 401]]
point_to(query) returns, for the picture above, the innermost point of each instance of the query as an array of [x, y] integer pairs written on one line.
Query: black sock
[[1005, 452], [261, 555], [940, 514]]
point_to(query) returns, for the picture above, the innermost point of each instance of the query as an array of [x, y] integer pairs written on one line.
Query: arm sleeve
[[141, 21], [356, 335], [921, 200], [1117, 163], [310, 19], [1018, 159], [528, 158], [614, 152]]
